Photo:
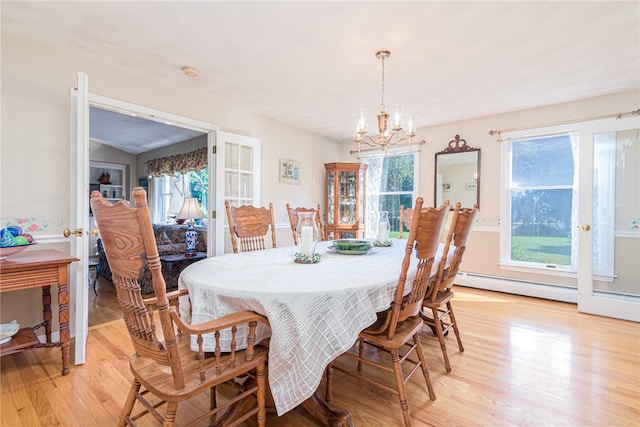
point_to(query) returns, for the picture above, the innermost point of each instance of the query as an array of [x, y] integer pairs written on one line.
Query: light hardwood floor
[[527, 362]]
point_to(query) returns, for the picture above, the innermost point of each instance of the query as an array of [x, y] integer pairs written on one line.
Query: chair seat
[[441, 298], [404, 331], [157, 378]]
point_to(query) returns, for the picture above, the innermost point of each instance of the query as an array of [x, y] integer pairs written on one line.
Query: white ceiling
[[134, 134], [311, 65]]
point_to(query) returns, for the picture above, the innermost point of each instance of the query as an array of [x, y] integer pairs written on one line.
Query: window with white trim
[[391, 182], [169, 191], [540, 201]]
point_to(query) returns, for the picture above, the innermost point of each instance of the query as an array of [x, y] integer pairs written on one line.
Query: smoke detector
[[190, 71]]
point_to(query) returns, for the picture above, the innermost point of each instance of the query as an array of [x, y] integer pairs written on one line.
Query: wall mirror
[[457, 174]]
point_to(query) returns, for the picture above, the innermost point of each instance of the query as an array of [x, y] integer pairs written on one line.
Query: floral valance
[[183, 163]]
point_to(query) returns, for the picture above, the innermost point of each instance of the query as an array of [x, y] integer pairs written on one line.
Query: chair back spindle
[[130, 245], [462, 223], [437, 308], [427, 226]]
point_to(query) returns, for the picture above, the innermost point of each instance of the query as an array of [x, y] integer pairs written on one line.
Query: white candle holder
[[384, 227], [307, 232]]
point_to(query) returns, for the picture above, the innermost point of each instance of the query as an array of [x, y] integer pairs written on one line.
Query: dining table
[[315, 311]]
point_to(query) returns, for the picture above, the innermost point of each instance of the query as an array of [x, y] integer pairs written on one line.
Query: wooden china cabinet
[[345, 190]]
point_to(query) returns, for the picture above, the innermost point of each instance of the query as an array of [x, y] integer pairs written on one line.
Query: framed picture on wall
[[471, 186], [290, 171], [446, 186]]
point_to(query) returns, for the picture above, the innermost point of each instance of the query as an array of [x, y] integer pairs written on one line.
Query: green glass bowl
[[351, 244]]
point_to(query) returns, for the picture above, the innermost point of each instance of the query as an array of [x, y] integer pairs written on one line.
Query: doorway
[[80, 101], [117, 139]]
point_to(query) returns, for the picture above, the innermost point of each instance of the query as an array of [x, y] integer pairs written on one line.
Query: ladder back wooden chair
[[163, 363], [293, 220], [249, 225], [437, 311], [406, 216], [395, 332]]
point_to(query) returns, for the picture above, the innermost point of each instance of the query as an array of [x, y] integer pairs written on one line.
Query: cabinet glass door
[[331, 178], [347, 198]]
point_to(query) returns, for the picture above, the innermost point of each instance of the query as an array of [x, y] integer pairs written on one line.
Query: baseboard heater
[[518, 287]]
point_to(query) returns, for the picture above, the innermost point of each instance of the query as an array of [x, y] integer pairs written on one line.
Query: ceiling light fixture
[[389, 133], [190, 71]]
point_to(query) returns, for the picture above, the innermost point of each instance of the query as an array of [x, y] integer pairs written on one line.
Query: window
[[390, 183], [169, 192], [541, 201]]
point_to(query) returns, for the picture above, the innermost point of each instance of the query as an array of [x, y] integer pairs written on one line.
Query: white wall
[[482, 256], [35, 148], [35, 155]]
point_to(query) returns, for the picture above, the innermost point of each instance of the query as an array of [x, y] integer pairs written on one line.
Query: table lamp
[[189, 212]]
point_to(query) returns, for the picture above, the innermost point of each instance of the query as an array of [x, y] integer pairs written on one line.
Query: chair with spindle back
[[397, 326], [293, 220], [249, 225], [163, 363], [437, 311]]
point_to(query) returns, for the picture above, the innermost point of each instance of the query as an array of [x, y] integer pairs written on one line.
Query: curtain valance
[[183, 163]]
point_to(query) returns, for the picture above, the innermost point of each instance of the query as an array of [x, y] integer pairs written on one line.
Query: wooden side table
[[31, 269], [168, 261]]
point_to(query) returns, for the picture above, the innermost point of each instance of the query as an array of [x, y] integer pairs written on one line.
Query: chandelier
[[390, 133]]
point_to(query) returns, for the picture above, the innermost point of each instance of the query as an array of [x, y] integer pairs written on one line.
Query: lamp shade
[[190, 209]]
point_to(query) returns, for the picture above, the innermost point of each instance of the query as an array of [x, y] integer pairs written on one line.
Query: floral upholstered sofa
[[170, 241]]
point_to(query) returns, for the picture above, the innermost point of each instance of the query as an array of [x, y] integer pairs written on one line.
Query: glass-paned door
[[609, 225], [241, 177]]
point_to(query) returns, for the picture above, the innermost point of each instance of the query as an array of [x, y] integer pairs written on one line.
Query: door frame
[[80, 187]]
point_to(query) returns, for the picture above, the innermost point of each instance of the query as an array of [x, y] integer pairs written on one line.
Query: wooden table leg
[[65, 337], [46, 311], [315, 406], [318, 409]]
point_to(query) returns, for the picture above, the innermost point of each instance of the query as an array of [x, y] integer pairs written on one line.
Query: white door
[[238, 177], [79, 192], [215, 222], [609, 219]]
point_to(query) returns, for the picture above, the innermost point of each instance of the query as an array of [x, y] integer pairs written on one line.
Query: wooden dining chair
[[163, 363], [437, 311], [395, 332], [249, 225], [293, 220], [406, 215]]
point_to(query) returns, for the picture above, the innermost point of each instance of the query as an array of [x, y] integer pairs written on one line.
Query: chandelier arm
[[369, 141], [415, 146]]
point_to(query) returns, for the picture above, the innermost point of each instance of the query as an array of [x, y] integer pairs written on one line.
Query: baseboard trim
[[518, 287]]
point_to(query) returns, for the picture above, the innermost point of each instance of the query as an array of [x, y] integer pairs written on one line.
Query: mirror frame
[[456, 146]]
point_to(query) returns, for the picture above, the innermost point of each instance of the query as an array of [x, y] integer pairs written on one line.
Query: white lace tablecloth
[[315, 310]]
